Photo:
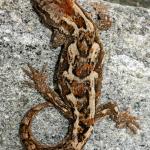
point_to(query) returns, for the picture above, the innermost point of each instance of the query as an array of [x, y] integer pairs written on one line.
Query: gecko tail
[[30, 142]]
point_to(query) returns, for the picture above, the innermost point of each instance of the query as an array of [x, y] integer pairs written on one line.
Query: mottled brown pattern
[[79, 21], [78, 89], [79, 76], [66, 6], [83, 70]]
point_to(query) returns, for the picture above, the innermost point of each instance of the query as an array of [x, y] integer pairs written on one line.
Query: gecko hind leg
[[38, 82], [123, 119]]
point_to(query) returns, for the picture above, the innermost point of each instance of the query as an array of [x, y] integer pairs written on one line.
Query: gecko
[[79, 77]]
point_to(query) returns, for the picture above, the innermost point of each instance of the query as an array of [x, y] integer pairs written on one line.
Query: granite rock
[[126, 76]]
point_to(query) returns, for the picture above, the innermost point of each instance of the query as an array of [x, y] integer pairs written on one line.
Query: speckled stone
[[139, 3], [126, 76]]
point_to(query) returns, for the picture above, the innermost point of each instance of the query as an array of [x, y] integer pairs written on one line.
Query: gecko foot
[[103, 20], [126, 120], [38, 77], [123, 119]]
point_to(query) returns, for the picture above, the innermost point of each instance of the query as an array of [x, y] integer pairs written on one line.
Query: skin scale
[[79, 76]]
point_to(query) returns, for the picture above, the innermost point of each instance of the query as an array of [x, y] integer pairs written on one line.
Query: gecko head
[[52, 11]]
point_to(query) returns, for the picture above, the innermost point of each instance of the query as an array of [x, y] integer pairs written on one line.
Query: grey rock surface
[[139, 3], [126, 76]]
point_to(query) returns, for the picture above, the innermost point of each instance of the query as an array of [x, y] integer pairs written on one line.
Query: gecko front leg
[[104, 21]]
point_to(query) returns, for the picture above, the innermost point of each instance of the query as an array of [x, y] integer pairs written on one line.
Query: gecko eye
[[98, 17]]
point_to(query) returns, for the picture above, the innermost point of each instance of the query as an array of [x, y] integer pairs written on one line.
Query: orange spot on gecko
[[66, 6], [78, 89], [83, 70], [89, 122]]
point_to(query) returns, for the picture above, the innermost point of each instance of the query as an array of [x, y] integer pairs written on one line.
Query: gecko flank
[[79, 76]]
